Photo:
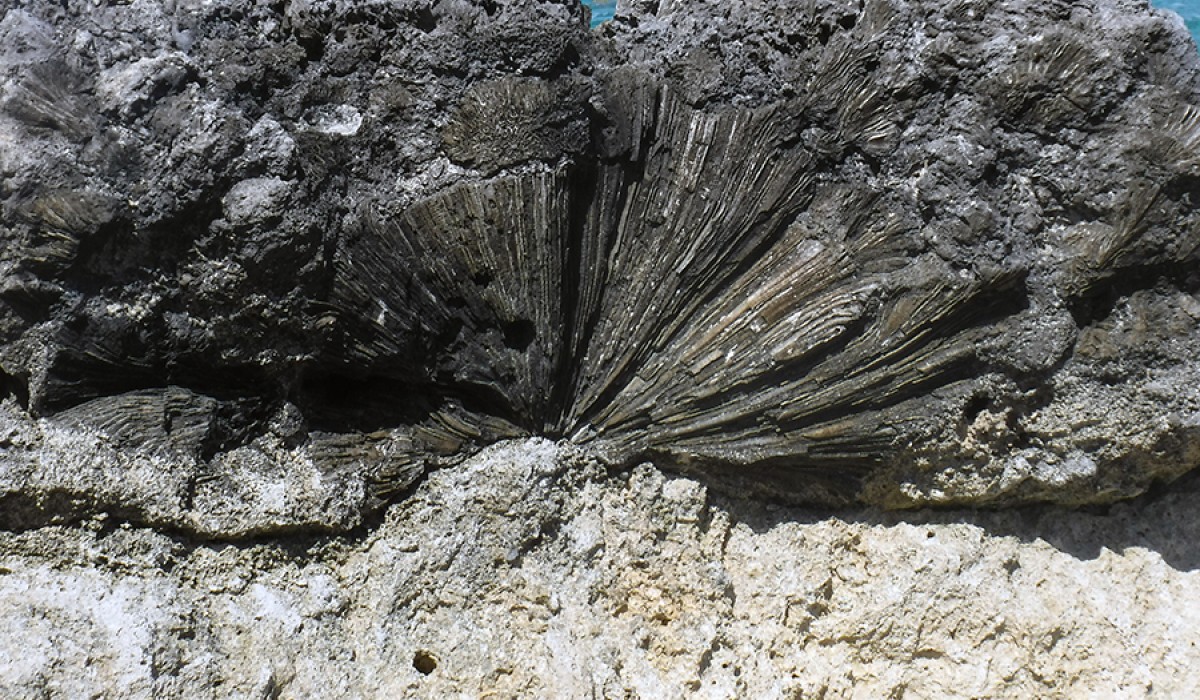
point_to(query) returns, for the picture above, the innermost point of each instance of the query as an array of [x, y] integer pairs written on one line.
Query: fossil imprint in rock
[[865, 287], [698, 298], [701, 300]]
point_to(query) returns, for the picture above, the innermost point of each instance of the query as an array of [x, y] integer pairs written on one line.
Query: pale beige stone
[[529, 571]]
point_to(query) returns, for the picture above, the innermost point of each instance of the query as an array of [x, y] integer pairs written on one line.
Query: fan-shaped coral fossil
[[810, 269], [710, 304]]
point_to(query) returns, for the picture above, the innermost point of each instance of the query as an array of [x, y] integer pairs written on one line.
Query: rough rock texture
[[272, 275], [263, 264], [529, 571]]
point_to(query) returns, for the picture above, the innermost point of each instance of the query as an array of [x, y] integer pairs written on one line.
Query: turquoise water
[[602, 11], [1188, 9]]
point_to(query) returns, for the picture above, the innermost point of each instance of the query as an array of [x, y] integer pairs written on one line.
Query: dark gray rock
[[278, 262]]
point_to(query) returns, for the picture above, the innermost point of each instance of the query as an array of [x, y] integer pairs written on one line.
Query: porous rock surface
[[409, 348], [529, 571]]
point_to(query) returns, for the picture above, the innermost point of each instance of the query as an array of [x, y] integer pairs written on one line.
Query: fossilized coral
[[837, 259]]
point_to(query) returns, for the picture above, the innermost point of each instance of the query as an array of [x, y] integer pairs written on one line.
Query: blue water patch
[[602, 10], [1188, 9]]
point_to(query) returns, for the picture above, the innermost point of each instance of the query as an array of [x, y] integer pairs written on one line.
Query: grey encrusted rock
[[828, 252]]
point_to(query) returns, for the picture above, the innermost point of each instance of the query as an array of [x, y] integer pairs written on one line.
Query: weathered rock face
[[265, 265], [528, 572]]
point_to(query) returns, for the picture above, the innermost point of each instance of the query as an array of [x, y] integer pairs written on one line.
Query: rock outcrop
[[530, 572], [415, 348], [278, 261]]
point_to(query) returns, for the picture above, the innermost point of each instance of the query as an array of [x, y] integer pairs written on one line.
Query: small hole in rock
[[978, 404], [424, 662], [426, 20], [518, 335]]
